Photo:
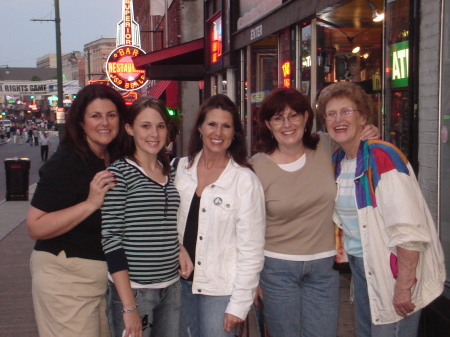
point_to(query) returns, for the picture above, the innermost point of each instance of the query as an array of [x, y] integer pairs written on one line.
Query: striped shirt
[[139, 226], [346, 208]]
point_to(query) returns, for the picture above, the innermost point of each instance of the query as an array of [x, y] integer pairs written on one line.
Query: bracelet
[[129, 310]]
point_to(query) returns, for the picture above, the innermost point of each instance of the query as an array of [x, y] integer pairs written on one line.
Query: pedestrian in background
[[391, 241], [300, 287], [69, 273], [139, 230], [36, 136], [45, 145], [30, 137], [220, 224]]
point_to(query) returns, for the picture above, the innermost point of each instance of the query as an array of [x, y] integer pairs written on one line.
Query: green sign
[[399, 62]]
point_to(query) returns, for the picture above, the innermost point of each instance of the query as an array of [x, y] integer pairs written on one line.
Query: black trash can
[[17, 178]]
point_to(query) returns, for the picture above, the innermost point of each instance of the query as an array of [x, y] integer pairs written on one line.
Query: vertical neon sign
[[216, 40], [127, 21], [286, 67]]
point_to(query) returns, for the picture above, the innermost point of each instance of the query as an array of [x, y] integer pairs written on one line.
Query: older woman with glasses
[[392, 245], [299, 286]]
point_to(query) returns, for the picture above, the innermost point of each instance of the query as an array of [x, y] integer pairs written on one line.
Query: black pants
[[44, 152]]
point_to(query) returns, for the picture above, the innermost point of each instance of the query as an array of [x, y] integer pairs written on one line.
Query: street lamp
[[60, 118]]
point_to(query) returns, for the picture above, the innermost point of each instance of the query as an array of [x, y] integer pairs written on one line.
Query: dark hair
[[274, 103], [133, 111], [354, 59], [237, 149], [348, 90], [74, 139]]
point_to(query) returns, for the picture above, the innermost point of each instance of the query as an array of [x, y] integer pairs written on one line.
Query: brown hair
[[274, 103], [348, 90], [237, 149], [134, 110], [73, 139]]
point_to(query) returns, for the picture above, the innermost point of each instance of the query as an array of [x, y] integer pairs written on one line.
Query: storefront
[[309, 45]]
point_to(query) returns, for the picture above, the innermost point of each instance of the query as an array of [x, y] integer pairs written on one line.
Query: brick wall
[[428, 101]]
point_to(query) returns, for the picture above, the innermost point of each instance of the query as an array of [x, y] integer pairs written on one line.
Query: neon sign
[[286, 67], [400, 62], [216, 40], [121, 71]]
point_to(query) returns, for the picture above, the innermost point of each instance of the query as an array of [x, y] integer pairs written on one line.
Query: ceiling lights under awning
[[184, 62]]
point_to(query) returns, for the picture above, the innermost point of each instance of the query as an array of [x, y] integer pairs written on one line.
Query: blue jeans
[[406, 327], [202, 315], [159, 310], [301, 298]]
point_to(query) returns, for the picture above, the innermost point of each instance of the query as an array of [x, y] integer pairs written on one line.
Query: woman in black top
[[69, 274]]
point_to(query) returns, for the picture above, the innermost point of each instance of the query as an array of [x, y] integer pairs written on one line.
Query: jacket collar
[[225, 179]]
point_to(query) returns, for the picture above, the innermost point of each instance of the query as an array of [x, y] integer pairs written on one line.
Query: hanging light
[[356, 50], [377, 17]]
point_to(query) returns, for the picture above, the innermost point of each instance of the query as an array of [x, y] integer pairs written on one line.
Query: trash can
[[17, 178]]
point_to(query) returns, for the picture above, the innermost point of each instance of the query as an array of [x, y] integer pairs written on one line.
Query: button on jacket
[[229, 252], [392, 212]]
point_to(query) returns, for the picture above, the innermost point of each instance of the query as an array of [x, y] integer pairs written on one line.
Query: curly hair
[[73, 139], [348, 90], [274, 103], [237, 149], [133, 111]]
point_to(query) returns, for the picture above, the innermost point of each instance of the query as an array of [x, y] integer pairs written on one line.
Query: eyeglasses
[[343, 113], [292, 118]]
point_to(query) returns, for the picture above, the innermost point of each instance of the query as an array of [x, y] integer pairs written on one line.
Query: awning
[[157, 89], [184, 62]]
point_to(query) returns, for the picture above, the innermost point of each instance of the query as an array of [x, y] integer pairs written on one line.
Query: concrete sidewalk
[[16, 306]]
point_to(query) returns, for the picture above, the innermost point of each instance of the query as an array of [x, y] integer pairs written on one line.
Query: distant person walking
[[45, 144], [36, 137]]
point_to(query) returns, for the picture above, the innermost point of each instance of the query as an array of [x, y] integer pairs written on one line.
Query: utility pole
[[60, 117]]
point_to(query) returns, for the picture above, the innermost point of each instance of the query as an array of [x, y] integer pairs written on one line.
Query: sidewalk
[[16, 307]]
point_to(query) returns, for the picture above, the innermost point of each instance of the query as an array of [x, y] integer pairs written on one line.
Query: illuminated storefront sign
[[286, 67], [399, 64], [121, 71], [216, 41]]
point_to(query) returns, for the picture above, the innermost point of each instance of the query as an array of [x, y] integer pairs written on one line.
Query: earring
[[272, 134], [305, 129], [200, 136], [232, 139]]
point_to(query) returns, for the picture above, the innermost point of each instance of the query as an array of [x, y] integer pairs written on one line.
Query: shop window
[[445, 143], [398, 117], [349, 48]]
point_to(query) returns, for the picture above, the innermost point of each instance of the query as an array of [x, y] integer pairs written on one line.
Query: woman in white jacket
[[221, 223]]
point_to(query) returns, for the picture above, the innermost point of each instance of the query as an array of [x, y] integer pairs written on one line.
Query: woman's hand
[[402, 301], [100, 184], [133, 324], [230, 321], [370, 132], [186, 266]]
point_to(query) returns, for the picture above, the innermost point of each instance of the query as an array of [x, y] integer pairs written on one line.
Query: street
[[11, 150]]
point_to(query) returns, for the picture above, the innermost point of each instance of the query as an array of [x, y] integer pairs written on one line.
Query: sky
[[82, 21]]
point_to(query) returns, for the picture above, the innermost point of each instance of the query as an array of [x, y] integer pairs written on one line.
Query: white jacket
[[392, 212], [229, 253]]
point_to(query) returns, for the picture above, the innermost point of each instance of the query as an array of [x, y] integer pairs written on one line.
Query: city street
[[11, 150]]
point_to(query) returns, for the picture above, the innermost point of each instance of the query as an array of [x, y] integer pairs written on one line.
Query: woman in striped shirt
[[139, 232]]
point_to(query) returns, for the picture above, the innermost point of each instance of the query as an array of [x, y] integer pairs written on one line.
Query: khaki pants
[[69, 295]]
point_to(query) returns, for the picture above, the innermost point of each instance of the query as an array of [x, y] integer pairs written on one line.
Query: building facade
[[95, 54], [46, 61], [401, 60]]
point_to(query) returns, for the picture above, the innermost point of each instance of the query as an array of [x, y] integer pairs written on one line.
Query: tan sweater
[[299, 205]]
